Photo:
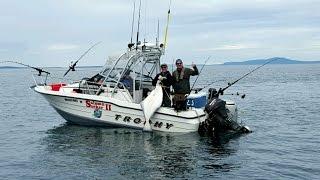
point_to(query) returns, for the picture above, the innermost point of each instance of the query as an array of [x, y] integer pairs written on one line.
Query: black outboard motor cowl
[[218, 122], [216, 106]]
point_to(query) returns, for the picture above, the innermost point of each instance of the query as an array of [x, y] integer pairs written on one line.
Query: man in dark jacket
[[166, 79], [181, 84]]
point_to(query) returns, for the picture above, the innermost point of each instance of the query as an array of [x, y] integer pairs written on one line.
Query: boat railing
[[45, 79], [84, 86]]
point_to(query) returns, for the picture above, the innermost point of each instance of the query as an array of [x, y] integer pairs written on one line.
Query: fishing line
[[200, 72], [230, 84], [40, 70]]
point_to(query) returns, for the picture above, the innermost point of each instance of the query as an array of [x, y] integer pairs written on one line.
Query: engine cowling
[[217, 114], [216, 106], [221, 117]]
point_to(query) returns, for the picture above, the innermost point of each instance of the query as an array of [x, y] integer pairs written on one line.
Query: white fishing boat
[[122, 95]]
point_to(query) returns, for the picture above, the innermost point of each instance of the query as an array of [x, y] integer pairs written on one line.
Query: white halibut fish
[[151, 104]]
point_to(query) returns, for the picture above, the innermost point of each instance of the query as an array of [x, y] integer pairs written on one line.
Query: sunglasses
[[178, 63], [164, 67]]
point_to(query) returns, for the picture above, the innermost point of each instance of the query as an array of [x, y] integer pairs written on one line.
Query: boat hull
[[92, 110]]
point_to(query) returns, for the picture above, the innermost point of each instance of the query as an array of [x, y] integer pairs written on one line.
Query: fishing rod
[[138, 26], [132, 25], [73, 65], [166, 31], [145, 22], [221, 90], [200, 72], [157, 38], [211, 84], [40, 70]]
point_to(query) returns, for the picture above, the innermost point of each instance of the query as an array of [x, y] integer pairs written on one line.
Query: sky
[[56, 32]]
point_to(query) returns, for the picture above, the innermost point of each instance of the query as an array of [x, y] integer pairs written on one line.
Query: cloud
[[62, 47], [232, 29], [228, 47]]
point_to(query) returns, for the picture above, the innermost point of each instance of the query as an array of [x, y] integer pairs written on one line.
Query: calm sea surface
[[282, 107]]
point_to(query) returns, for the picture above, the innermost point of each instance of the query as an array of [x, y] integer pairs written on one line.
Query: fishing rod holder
[[197, 90], [237, 94], [213, 93]]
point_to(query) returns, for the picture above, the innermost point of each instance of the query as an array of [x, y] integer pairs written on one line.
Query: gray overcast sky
[[55, 32]]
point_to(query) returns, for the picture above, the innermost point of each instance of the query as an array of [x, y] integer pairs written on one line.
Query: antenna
[[134, 11], [138, 26]]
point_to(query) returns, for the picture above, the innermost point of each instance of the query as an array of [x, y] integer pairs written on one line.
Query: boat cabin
[[127, 77]]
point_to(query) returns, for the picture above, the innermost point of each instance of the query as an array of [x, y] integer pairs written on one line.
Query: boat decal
[[168, 126], [137, 120], [158, 124], [190, 102], [127, 119], [118, 117], [97, 113], [194, 117], [98, 105]]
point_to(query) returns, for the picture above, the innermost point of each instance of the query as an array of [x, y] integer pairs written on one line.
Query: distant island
[[277, 60], [10, 67]]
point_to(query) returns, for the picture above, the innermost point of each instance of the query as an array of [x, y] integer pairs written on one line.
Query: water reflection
[[132, 154], [220, 154], [172, 155]]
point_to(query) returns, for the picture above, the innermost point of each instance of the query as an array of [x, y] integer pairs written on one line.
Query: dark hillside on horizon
[[277, 60], [10, 67]]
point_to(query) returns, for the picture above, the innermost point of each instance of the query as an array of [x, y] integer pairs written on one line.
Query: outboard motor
[[217, 120], [216, 108]]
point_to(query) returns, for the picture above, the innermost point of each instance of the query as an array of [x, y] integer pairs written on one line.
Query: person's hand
[[161, 78]]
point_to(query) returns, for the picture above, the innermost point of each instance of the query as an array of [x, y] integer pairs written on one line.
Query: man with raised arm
[[181, 84]]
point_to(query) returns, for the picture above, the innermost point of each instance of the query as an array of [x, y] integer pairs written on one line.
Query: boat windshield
[[132, 69], [115, 67]]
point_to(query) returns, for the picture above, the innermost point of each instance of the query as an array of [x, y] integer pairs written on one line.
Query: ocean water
[[281, 107]]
